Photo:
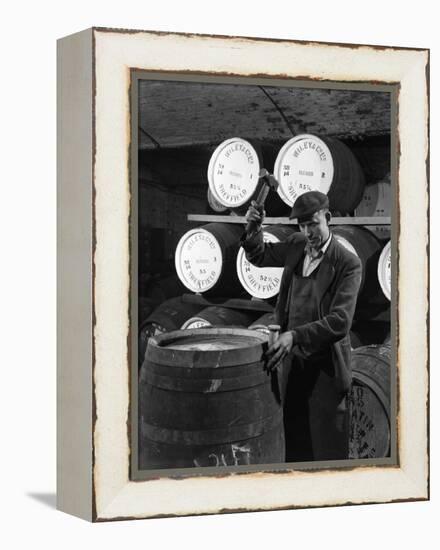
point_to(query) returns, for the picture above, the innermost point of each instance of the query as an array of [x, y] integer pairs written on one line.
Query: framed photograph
[[242, 272]]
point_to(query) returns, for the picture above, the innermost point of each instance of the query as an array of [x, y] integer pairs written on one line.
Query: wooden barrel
[[145, 307], [262, 282], [161, 288], [367, 247], [263, 322], [168, 316], [233, 175], [214, 316], [384, 270], [370, 433], [376, 202], [311, 163], [355, 340], [361, 242], [206, 399], [205, 259], [233, 172]]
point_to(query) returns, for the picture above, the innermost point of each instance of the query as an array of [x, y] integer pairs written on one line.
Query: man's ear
[[328, 216]]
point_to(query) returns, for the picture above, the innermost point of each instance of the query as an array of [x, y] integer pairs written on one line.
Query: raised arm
[[258, 252]]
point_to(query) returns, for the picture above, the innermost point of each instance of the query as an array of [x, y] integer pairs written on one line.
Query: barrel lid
[[198, 260], [376, 200], [233, 171], [260, 282], [207, 347], [384, 270], [303, 164]]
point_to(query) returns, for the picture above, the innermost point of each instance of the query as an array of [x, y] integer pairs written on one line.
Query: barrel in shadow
[[376, 201], [367, 247], [205, 399], [168, 316], [315, 163], [262, 323], [145, 307], [366, 333], [160, 288], [205, 259], [221, 316], [370, 432], [263, 282]]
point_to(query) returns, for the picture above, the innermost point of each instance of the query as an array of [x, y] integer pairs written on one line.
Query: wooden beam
[[208, 218]]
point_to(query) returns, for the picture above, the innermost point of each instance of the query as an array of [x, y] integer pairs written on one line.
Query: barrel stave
[[265, 449], [208, 408]]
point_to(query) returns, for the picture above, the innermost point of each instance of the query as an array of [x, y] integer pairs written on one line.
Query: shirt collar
[[326, 244], [321, 251]]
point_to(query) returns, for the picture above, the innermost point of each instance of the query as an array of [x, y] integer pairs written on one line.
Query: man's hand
[[255, 216], [277, 351]]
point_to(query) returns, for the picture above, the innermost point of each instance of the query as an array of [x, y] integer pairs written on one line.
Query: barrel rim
[[362, 350], [213, 160], [177, 257], [384, 258], [213, 202], [346, 243], [281, 155], [196, 359]]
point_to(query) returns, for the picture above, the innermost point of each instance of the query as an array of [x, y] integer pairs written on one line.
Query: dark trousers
[[316, 416]]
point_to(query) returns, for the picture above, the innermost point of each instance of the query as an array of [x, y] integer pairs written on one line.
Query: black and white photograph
[[243, 274], [262, 277]]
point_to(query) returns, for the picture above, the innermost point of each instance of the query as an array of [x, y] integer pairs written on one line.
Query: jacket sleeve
[[337, 322], [263, 254]]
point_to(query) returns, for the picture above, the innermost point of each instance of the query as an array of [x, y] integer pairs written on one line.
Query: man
[[315, 309]]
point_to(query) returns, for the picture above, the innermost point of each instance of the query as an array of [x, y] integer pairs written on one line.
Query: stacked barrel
[[210, 262]]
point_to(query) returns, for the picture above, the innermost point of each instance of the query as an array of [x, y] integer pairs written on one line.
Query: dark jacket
[[338, 281]]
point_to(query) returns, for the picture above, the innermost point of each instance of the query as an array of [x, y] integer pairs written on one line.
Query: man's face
[[316, 228]]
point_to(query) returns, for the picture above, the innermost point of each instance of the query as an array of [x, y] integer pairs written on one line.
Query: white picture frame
[[94, 212]]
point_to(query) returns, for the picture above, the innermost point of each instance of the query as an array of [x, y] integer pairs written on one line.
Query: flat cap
[[309, 203]]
